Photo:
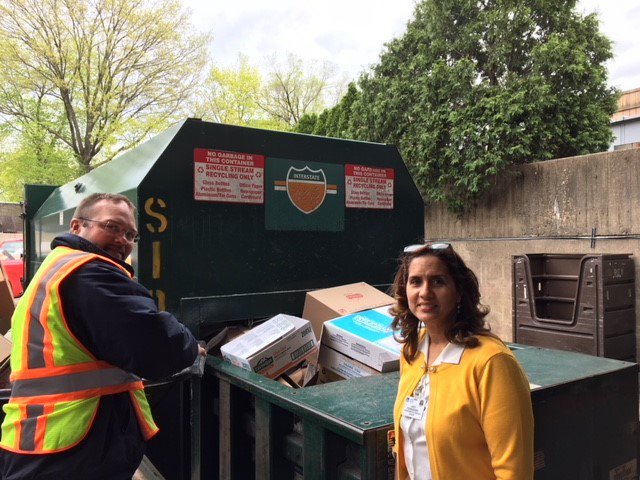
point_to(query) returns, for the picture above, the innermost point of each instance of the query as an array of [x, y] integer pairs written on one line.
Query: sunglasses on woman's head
[[431, 246]]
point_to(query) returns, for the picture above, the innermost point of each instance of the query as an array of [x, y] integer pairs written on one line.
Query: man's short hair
[[85, 207]]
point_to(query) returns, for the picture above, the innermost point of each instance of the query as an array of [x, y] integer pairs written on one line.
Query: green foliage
[[113, 70], [230, 95], [34, 157], [474, 87], [333, 122], [307, 123], [287, 93]]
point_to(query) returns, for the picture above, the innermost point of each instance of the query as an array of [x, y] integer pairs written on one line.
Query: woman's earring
[[459, 309]]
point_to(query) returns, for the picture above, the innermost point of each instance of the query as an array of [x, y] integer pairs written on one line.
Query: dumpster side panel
[[203, 248]]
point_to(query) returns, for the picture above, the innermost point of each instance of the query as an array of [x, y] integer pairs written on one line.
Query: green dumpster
[[226, 210], [585, 410]]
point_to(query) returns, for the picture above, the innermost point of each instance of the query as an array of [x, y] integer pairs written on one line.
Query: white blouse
[[416, 453]]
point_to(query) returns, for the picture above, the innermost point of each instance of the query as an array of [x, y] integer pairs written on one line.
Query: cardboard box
[[294, 378], [7, 305], [342, 365], [366, 337], [5, 359], [272, 347], [5, 352], [329, 303], [327, 376]]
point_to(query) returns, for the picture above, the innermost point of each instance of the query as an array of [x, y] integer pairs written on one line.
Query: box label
[[366, 337], [300, 352], [221, 176], [368, 187], [371, 325], [263, 363]]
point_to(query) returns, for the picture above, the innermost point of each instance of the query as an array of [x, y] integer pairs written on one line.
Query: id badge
[[414, 408]]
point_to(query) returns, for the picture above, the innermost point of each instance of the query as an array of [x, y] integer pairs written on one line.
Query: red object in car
[[11, 258]]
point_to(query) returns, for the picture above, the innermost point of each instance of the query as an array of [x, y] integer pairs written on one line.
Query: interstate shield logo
[[304, 196], [306, 188]]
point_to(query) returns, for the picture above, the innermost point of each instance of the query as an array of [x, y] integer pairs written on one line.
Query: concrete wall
[[546, 207]]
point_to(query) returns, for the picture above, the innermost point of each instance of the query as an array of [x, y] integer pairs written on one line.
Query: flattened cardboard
[[272, 347], [6, 302], [366, 337], [329, 303], [5, 352]]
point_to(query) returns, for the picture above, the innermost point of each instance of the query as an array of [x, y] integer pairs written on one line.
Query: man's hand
[[201, 351]]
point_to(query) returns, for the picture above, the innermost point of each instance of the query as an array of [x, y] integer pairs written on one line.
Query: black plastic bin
[[576, 302]]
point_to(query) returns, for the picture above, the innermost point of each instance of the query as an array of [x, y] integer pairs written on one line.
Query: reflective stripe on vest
[[72, 383], [69, 377], [35, 345]]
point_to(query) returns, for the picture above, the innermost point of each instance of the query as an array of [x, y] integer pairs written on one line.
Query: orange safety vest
[[56, 382]]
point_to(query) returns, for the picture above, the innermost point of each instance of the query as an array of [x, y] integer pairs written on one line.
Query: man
[[84, 334]]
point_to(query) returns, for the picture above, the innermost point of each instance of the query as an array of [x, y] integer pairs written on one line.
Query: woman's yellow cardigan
[[479, 417]]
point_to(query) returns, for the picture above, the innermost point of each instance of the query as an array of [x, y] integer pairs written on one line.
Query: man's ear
[[74, 226]]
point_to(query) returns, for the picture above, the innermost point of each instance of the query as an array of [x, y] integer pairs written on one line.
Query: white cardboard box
[[366, 337], [342, 365], [272, 347]]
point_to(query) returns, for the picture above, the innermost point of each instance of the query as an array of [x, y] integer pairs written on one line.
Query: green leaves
[[231, 95], [474, 87], [110, 71], [288, 93]]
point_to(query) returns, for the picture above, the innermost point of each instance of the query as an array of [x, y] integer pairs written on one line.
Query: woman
[[463, 409]]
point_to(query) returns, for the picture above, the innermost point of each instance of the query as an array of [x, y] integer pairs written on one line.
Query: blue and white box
[[366, 337]]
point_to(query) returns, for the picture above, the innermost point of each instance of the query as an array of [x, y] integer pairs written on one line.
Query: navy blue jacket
[[116, 319]]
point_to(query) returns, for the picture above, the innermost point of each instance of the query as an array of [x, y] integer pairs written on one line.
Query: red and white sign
[[220, 176], [368, 187]]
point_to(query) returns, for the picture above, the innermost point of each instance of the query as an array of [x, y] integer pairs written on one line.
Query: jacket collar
[[78, 243]]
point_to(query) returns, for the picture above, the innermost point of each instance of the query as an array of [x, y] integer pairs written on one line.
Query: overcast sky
[[351, 33]]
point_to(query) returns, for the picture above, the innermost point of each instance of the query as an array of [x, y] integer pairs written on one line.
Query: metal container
[[585, 411], [575, 302]]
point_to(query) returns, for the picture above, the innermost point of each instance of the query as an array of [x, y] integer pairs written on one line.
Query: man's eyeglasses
[[114, 229], [430, 246]]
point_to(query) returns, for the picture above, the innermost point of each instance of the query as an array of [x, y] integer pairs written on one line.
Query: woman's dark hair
[[469, 320]]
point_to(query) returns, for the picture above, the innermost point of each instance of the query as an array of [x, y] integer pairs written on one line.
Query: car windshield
[[11, 250]]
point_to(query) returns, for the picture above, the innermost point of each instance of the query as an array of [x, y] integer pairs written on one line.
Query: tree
[[240, 96], [230, 95], [333, 122], [31, 155], [473, 87], [289, 92], [115, 70]]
